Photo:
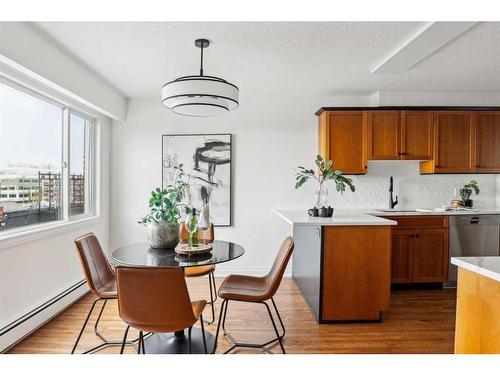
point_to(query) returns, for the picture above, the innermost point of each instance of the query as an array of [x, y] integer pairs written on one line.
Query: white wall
[[32, 54], [271, 137]]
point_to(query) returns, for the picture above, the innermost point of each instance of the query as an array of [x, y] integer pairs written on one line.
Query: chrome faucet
[[392, 202]]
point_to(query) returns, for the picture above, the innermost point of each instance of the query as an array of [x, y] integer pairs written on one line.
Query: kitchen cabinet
[[430, 255], [454, 146], [383, 135], [419, 250], [487, 142], [400, 135], [401, 259], [342, 139], [445, 140], [417, 135]]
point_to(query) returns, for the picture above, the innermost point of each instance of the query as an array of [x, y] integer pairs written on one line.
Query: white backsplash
[[414, 190]]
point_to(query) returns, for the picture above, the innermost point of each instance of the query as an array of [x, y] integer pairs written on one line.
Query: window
[[80, 131], [45, 160]]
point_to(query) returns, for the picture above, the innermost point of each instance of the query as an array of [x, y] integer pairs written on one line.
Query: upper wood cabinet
[[445, 141], [400, 135], [383, 135], [488, 142], [342, 139], [454, 149], [417, 133]]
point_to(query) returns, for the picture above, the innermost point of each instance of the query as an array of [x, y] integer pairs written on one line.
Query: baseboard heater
[[17, 330]]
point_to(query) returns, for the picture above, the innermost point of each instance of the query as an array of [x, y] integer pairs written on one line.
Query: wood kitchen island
[[342, 264], [477, 328]]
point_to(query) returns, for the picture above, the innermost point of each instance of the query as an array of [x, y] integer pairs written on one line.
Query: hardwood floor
[[419, 321]]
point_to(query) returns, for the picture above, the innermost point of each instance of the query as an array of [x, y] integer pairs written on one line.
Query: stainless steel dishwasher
[[471, 235]]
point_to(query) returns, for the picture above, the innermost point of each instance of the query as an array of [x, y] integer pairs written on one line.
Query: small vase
[[321, 196], [162, 235]]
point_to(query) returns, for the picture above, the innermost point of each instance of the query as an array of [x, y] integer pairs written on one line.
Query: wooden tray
[[184, 249]]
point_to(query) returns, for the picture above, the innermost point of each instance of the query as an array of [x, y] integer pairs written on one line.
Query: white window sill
[[36, 232]]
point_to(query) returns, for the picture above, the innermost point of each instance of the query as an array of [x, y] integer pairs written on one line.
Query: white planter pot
[[162, 235]]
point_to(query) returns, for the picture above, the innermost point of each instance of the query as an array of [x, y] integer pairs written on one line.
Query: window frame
[[35, 231]]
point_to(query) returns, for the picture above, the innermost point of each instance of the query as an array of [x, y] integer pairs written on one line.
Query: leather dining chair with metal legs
[[156, 299], [198, 271], [255, 290], [102, 283]]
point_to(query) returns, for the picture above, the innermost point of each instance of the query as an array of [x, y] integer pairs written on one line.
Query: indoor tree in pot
[[162, 222], [325, 173], [467, 190]]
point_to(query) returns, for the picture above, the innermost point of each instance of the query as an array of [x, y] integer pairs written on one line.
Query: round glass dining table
[[142, 255]]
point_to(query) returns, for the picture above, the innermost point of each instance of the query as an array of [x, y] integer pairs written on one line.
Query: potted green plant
[[162, 222], [466, 192], [325, 173]]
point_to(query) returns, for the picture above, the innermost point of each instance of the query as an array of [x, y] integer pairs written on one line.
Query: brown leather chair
[[198, 271], [101, 281], [156, 299], [256, 290]]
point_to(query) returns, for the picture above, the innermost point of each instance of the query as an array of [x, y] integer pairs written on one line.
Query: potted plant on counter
[[466, 192], [162, 222], [325, 173]]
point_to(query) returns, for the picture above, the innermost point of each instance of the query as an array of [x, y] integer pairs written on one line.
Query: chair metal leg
[[105, 341], [189, 339], [279, 318], [143, 343], [98, 334], [213, 289], [140, 343], [203, 334], [222, 308], [263, 346], [84, 325], [275, 328], [124, 340]]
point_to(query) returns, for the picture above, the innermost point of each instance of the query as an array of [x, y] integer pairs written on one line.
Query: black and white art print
[[206, 160]]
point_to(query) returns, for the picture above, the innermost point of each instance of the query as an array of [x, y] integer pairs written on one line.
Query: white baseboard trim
[[26, 324]]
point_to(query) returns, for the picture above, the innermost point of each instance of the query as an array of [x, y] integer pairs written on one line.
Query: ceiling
[[311, 58]]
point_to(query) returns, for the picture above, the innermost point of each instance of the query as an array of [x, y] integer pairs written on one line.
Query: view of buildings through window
[[31, 149]]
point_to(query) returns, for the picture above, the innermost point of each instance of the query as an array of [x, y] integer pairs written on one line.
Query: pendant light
[[200, 95]]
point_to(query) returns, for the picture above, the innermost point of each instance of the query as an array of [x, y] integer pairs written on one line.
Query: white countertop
[[340, 218], [431, 212], [486, 266], [366, 216]]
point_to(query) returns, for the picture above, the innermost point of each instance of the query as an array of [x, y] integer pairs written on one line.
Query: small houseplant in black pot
[[466, 192], [325, 173]]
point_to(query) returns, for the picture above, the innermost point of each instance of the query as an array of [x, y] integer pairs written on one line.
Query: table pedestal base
[[171, 343]]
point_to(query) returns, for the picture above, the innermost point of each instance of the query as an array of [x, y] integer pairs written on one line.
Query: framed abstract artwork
[[206, 160]]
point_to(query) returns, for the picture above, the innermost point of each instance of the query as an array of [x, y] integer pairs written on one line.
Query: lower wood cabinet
[[420, 250], [401, 259]]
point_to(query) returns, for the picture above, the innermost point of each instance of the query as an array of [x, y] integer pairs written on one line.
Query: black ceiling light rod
[[201, 43]]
